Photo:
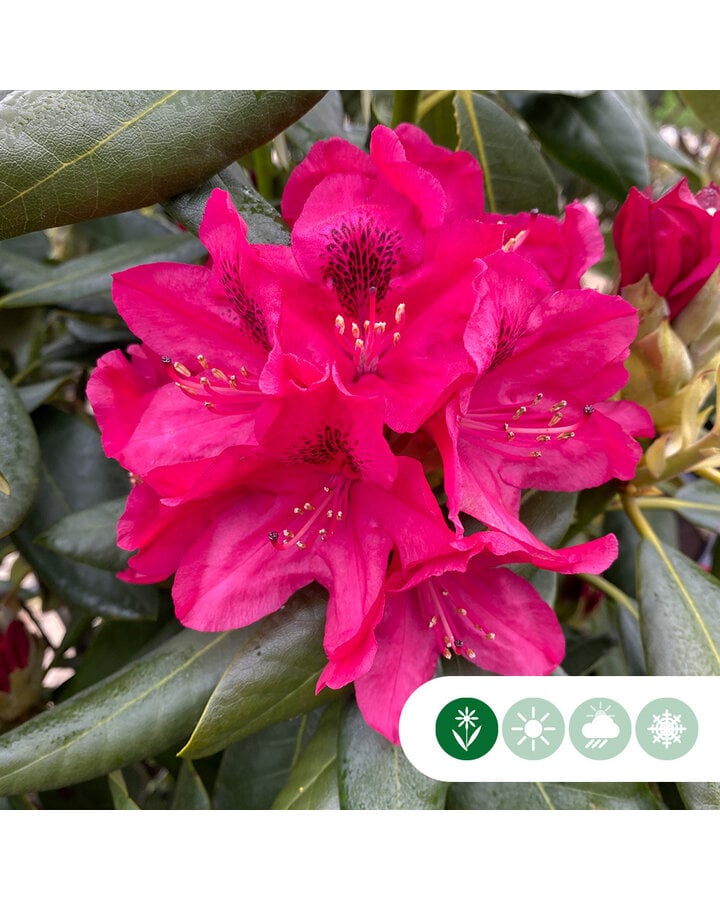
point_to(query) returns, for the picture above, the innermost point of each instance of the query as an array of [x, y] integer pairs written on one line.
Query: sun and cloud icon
[[601, 729]]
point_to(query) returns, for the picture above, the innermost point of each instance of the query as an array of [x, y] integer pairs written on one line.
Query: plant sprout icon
[[468, 719], [601, 729]]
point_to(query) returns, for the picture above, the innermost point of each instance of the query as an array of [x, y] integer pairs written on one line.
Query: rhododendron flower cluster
[[294, 413]]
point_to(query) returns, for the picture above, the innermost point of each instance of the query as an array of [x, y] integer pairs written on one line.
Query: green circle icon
[[666, 728], [466, 728], [533, 728], [600, 728]]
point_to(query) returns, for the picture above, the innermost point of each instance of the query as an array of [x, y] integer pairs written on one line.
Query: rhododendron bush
[[309, 398]]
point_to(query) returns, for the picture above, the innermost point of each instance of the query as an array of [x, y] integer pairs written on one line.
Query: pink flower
[[538, 415], [675, 240], [195, 385], [378, 280], [321, 498], [459, 602], [563, 249]]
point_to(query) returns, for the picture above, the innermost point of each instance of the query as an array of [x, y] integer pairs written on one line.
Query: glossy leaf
[[375, 774], [190, 792], [19, 458], [62, 150], [706, 106], [516, 176], [264, 223], [147, 707], [551, 795], [254, 770], [77, 283], [700, 794], [89, 536], [596, 137], [271, 678], [75, 474], [313, 782], [679, 613], [548, 514]]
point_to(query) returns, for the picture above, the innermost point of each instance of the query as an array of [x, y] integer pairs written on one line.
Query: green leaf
[[190, 792], [596, 137], [548, 514], [73, 155], [119, 792], [19, 458], [264, 223], [700, 794], [551, 795], [313, 783], [147, 707], [77, 284], [679, 613], [699, 503], [706, 106], [75, 474], [375, 774], [437, 117], [254, 770], [516, 176], [271, 678], [89, 536]]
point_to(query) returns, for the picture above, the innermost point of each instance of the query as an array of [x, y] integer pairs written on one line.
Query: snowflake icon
[[667, 729]]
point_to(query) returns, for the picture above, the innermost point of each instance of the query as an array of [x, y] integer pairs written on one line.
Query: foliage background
[[240, 707]]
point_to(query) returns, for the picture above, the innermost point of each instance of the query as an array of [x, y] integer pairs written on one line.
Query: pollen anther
[[181, 369]]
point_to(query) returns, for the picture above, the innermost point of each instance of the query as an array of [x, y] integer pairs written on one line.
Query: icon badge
[[466, 728], [600, 728], [533, 728], [666, 728]]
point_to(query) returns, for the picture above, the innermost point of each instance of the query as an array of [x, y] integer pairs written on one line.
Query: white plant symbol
[[468, 719]]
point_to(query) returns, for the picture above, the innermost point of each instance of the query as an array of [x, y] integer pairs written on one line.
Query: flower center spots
[[448, 621], [221, 393], [510, 334], [361, 256], [245, 312], [528, 429], [314, 519], [331, 448]]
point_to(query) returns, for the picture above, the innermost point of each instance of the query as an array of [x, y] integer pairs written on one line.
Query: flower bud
[[675, 240], [20, 671]]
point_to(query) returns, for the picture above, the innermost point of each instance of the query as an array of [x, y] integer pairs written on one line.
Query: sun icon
[[533, 728]]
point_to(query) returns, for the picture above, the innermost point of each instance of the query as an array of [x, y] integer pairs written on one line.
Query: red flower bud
[[675, 240], [20, 671]]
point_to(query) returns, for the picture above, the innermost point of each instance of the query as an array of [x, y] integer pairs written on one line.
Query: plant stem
[[405, 107], [614, 593], [709, 475]]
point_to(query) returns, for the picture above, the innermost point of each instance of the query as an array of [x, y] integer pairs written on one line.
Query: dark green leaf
[[75, 474], [596, 137], [437, 118], [516, 176], [119, 792], [548, 514], [706, 106], [253, 771], [62, 150], [78, 283], [149, 706], [34, 395], [325, 120], [375, 774], [549, 795], [264, 222], [19, 458], [272, 677], [89, 536], [679, 613], [313, 783], [190, 792]]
